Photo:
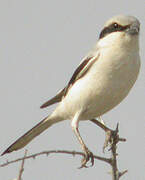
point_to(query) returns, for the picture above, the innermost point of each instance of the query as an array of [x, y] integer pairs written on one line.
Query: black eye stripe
[[112, 28]]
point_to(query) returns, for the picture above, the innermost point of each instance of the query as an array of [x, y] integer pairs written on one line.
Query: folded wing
[[79, 73]]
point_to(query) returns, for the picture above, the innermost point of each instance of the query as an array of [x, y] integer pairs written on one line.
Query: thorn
[[117, 128], [73, 153], [122, 173], [122, 139], [34, 157]]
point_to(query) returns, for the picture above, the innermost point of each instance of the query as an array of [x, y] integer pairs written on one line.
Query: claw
[[111, 137], [108, 139], [88, 156]]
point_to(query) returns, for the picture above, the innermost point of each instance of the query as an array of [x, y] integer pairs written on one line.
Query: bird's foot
[[88, 155], [109, 134], [112, 137]]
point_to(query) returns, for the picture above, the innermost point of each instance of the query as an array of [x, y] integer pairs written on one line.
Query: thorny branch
[[107, 160], [22, 167], [112, 138]]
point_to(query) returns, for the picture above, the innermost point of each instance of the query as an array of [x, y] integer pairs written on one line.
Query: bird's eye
[[115, 25]]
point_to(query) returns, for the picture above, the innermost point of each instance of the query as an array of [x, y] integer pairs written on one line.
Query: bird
[[102, 80]]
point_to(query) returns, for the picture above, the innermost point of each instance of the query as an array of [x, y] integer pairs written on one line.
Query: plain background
[[41, 44]]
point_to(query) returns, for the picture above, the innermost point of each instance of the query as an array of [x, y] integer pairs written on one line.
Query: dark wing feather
[[55, 99], [79, 72]]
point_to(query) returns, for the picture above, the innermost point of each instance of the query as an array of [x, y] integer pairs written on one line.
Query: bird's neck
[[119, 40]]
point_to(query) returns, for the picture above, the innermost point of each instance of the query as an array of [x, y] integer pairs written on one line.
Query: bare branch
[[113, 138], [107, 160], [22, 167]]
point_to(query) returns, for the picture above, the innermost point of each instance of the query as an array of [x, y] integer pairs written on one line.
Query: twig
[[122, 173], [107, 160], [22, 167], [113, 138]]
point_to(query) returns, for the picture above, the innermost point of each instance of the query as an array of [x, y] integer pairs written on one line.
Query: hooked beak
[[133, 29]]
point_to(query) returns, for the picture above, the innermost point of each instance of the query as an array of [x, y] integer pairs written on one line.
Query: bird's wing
[[55, 99], [82, 69]]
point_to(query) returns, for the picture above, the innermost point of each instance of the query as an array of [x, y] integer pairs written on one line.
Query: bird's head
[[121, 23], [120, 29]]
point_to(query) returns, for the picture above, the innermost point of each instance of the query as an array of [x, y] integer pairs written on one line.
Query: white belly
[[107, 83]]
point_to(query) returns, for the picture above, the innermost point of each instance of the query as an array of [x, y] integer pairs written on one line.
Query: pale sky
[[41, 44]]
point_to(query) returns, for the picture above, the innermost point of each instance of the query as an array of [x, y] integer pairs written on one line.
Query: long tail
[[31, 134]]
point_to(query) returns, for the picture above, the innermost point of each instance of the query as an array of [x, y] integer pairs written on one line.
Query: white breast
[[105, 85]]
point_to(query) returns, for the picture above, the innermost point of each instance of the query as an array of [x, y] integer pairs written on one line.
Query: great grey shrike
[[101, 81]]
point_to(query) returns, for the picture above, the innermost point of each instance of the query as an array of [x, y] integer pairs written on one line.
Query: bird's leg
[[101, 120], [88, 154], [108, 132], [111, 135]]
